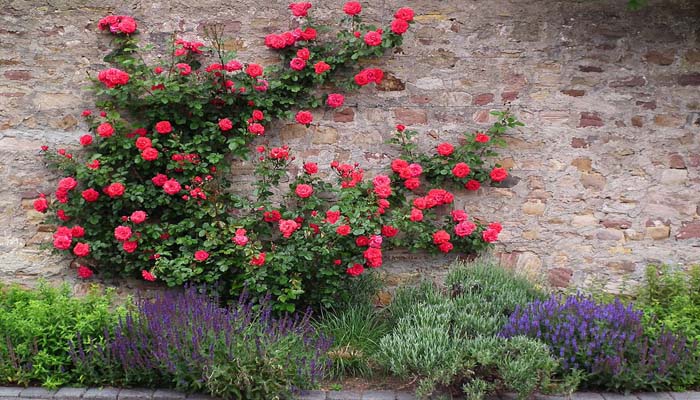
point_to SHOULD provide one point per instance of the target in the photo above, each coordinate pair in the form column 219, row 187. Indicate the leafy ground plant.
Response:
column 38, row 326
column 446, row 337
column 186, row 341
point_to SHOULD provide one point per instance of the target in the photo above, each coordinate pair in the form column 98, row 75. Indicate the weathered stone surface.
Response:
column 533, row 207
column 660, row 57
column 689, row 230
column 560, row 277
column 590, row 119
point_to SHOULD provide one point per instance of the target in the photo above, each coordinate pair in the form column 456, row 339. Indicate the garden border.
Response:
column 70, row 393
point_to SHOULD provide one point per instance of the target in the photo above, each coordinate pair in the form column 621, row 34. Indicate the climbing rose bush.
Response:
column 149, row 194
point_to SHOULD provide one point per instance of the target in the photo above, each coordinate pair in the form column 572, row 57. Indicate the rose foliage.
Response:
column 150, row 193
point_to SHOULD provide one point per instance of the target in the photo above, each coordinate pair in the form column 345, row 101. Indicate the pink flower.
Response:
column 445, row 247
column 240, row 240
column 297, row 64
column 300, row 9
column 257, row 115
column 81, row 249
column 405, row 14
column 373, row 38
column 159, row 180
column 41, row 205
column 164, row 127
column 172, row 187
column 464, row 228
column 481, row 138
column 90, row 195
column 149, row 154
column 105, row 130
column 138, row 217
column 440, row 237
column 258, row 260
column 62, row 242
column 304, row 191
column 84, row 272
column 355, row 270
column 254, row 70
column 343, row 230
column 256, row 129
column 304, row 53
column 376, row 241
column 304, row 117
column 287, row 227
column 416, row 215
column 185, row 69
column 85, row 140
column 142, row 143
column 113, row 77
column 472, row 185
column 130, row 246
column 461, row 170
column 352, row 8
column 225, row 124
column 489, row 235
column 335, row 100
column 201, row 255
column 399, row 26
column 493, row 226
column 310, row 168
column 122, row 233
column 498, row 174
column 321, row 67
column 459, row 215
column 148, row 276
column 115, row 190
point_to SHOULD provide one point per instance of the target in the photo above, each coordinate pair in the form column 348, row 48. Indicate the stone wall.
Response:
column 605, row 170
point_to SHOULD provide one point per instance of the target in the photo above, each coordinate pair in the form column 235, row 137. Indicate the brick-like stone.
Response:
column 617, row 396
column 18, row 75
column 647, row 105
column 560, row 277
column 660, row 57
column 658, row 232
column 344, row 115
column 10, row 391
column 633, row 81
column 313, row 395
column 391, row 83
column 411, row 116
column 579, row 143
column 589, row 68
column 101, row 394
column 325, row 135
column 676, row 161
column 509, row 96
column 483, row 99
column 37, row 393
column 584, row 220
column 533, row 208
column 574, row 92
column 610, row 234
column 586, row 396
column 590, row 119
column 616, row 223
column 135, row 394
column 593, row 180
column 689, row 79
column 689, row 230
column 693, row 56
column 405, row 396
column 69, row 393
column 378, row 395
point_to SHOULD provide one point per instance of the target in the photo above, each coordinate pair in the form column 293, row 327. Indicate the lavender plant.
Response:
column 608, row 343
column 188, row 342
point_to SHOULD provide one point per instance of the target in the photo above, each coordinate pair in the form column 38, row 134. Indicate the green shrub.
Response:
column 446, row 336
column 37, row 327
column 356, row 332
column 671, row 299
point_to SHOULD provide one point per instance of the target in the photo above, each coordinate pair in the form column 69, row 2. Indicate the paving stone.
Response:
column 685, row 395
column 313, row 395
column 37, row 393
column 135, row 394
column 587, row 396
column 10, row 391
column 199, row 396
column 618, row 396
column 69, row 393
column 654, row 396
column 379, row 395
column 161, row 394
column 344, row 395
column 101, row 394
column 549, row 397
column 405, row 396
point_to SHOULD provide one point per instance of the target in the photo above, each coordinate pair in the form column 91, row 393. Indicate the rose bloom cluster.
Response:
column 117, row 24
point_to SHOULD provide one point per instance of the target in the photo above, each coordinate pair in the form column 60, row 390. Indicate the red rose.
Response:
column 310, row 168
column 464, row 228
column 361, row 78
column 258, row 115
column 90, row 195
column 185, row 69
column 445, row 149
column 130, row 246
column 382, row 191
column 355, row 270
column 297, row 64
column 41, row 205
column 172, row 187
column 332, row 217
column 304, row 53
column 493, row 226
column 254, row 70
column 416, row 215
column 275, row 41
column 405, row 14
column 445, row 247
column 256, row 129
column 287, row 227
column 489, row 235
column 94, row 164
column 362, row 241
column 159, row 180
column 304, row 190
column 308, row 34
column 412, row 183
column 498, row 174
column 399, row 26
column 81, row 249
column 400, row 127
column 149, row 154
column 138, row 217
column 142, row 143
column 473, row 185
column 343, row 230
column 272, row 216
column 62, row 242
column 300, row 9
column 440, row 237
column 481, row 138
column 148, row 276
column 459, row 215
column 461, row 170
column 352, row 8
column 304, row 117
column 86, row 140
column 201, row 255
column 258, row 260
column 373, row 256
column 67, row 184
column 113, row 77
column 335, row 100
column 164, row 127
column 398, row 165
column 105, row 130
column 115, row 190
column 321, row 67
column 389, row 231
column 122, row 233
column 84, row 272
column 158, row 70
column 225, row 124
column 373, row 38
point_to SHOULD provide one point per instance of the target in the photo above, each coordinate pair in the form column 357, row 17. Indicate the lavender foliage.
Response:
column 185, row 340
column 608, row 343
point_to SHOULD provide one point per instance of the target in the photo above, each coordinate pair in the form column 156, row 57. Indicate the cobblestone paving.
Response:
column 15, row 393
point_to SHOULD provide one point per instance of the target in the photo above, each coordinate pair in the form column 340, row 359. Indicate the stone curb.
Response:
column 18, row 393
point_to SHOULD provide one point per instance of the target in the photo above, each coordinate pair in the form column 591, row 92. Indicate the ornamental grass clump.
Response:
column 607, row 342
column 186, row 341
